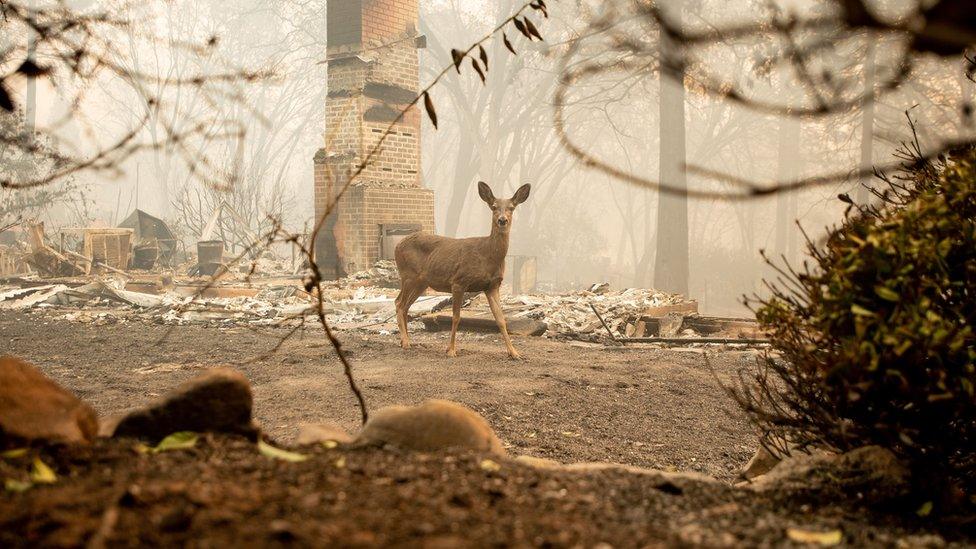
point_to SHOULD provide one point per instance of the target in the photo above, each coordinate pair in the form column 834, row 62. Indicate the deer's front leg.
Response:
column 496, row 309
column 457, row 298
column 401, row 314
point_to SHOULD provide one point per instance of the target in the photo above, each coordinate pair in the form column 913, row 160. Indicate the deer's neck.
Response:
column 498, row 243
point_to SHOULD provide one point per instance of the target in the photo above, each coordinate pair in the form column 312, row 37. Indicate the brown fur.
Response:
column 458, row 265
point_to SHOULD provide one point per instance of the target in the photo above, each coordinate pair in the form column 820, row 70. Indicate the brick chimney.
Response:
column 373, row 75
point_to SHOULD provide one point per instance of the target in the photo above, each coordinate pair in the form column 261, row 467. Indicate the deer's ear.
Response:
column 522, row 194
column 484, row 191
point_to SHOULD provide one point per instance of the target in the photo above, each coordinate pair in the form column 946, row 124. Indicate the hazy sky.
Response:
column 582, row 225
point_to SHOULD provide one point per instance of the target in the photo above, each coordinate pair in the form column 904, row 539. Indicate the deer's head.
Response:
column 502, row 208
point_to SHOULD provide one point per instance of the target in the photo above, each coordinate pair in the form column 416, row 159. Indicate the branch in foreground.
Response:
column 68, row 47
column 786, row 27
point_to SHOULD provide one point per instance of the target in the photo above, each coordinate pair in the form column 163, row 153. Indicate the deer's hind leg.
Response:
column 496, row 309
column 409, row 292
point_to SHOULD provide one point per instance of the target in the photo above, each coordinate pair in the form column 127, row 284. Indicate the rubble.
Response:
column 571, row 316
column 153, row 241
column 366, row 301
column 383, row 274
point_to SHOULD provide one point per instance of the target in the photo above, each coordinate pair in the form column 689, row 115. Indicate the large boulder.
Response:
column 218, row 401
column 35, row 408
column 429, row 427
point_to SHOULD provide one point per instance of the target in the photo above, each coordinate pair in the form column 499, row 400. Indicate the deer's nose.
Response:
column 502, row 221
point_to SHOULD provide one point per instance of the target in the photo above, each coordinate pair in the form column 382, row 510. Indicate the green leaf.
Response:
column 180, row 440
column 860, row 311
column 41, row 473
column 277, row 453
column 887, row 293
column 925, row 510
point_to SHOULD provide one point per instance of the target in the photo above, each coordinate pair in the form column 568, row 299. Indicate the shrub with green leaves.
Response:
column 874, row 340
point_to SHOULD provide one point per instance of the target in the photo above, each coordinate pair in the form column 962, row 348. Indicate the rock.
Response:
column 107, row 425
column 921, row 541
column 761, row 463
column 670, row 325
column 431, row 426
column 315, row 433
column 877, row 469
column 871, row 471
column 763, row 460
column 538, row 462
column 217, row 401
column 600, row 288
column 35, row 408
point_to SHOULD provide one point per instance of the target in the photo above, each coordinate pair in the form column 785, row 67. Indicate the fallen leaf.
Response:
column 925, row 510
column 16, row 486
column 180, row 440
column 341, row 462
column 329, row 444
column 826, row 539
column 490, row 465
column 15, row 453
column 277, row 453
column 570, row 434
column 41, row 473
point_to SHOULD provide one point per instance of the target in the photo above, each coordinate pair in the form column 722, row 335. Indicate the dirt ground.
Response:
column 222, row 493
column 656, row 408
column 653, row 408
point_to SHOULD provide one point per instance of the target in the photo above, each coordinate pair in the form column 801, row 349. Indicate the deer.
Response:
column 459, row 265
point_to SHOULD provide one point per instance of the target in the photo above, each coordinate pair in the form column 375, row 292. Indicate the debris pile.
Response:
column 572, row 315
column 366, row 301
column 228, row 303
column 383, row 274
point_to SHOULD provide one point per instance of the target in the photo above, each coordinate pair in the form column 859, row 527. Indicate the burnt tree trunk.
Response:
column 464, row 169
column 788, row 167
column 671, row 260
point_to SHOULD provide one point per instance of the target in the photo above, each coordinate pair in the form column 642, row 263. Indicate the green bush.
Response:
column 874, row 339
